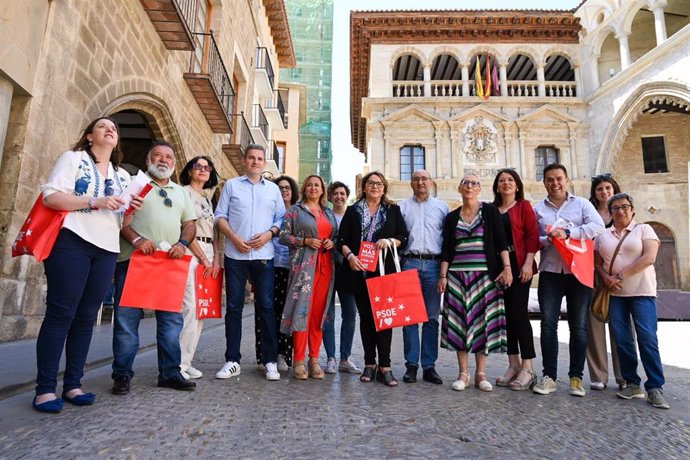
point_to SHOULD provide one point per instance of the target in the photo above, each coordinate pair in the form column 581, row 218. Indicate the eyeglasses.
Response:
column 374, row 184
column 600, row 177
column 285, row 188
column 623, row 207
column 109, row 187
column 471, row 183
column 200, row 167
column 166, row 201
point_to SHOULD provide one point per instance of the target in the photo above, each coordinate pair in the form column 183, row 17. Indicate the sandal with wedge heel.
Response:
column 315, row 370
column 299, row 370
column 481, row 381
column 517, row 385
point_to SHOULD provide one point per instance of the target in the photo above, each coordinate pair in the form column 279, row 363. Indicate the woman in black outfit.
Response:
column 376, row 219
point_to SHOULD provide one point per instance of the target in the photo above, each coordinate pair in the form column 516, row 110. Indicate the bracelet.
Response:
column 134, row 241
column 443, row 276
column 92, row 203
column 347, row 257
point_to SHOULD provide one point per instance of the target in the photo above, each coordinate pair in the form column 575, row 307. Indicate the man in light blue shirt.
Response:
column 424, row 216
column 250, row 213
column 573, row 217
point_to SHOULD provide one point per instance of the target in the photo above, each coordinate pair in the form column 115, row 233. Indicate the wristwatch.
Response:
column 567, row 233
column 619, row 276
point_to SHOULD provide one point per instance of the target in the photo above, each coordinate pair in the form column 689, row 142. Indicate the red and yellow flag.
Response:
column 479, row 86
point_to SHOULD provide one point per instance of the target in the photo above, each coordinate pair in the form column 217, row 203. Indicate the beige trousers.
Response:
column 597, row 356
column 191, row 330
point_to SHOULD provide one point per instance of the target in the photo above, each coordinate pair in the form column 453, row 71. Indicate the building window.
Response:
column 654, row 155
column 280, row 147
column 411, row 159
column 544, row 155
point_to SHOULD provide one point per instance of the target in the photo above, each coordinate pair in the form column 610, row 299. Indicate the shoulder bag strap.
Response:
column 615, row 253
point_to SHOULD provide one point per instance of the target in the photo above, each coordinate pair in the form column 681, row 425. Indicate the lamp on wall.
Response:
column 612, row 72
column 652, row 209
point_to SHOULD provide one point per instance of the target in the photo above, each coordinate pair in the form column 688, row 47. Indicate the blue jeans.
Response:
column 642, row 309
column 347, row 327
column 237, row 272
column 126, row 335
column 78, row 275
column 429, row 271
column 552, row 288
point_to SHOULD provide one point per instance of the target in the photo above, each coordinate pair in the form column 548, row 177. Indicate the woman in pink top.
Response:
column 633, row 295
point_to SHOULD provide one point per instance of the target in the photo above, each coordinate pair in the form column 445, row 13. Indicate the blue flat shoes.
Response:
column 50, row 407
column 80, row 400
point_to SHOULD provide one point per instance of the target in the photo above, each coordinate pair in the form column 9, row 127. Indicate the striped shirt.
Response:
column 469, row 253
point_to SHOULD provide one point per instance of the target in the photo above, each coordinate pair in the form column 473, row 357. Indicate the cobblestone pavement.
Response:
column 339, row 417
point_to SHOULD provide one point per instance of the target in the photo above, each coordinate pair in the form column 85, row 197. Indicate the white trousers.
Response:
column 191, row 331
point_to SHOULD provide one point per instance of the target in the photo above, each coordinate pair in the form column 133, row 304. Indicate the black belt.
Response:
column 511, row 248
column 205, row 239
column 423, row 256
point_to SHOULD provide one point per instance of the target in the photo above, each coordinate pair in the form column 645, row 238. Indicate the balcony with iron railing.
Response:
column 265, row 76
column 210, row 83
column 242, row 137
column 275, row 111
column 172, row 20
column 261, row 130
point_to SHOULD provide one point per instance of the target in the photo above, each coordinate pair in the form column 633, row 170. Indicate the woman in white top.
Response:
column 633, row 296
column 87, row 182
column 199, row 177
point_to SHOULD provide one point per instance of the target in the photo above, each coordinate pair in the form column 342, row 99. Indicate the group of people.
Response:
column 297, row 252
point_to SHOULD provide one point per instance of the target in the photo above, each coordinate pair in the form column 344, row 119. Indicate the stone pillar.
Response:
column 541, row 79
column 503, row 75
column 578, row 81
column 6, row 89
column 455, row 155
column 386, row 145
column 659, row 25
column 523, row 167
column 573, row 150
column 427, row 80
column 594, row 65
column 624, row 50
column 438, row 137
column 465, row 79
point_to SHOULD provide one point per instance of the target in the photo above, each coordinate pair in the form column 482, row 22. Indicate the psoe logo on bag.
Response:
column 387, row 314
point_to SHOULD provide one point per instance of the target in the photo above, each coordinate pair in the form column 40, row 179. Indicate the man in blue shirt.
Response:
column 250, row 213
column 571, row 217
column 424, row 216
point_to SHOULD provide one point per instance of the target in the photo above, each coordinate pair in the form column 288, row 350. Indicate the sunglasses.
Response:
column 166, row 201
column 200, row 167
column 109, row 187
column 600, row 177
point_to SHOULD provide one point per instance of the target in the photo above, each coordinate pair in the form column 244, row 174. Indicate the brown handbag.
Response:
column 602, row 294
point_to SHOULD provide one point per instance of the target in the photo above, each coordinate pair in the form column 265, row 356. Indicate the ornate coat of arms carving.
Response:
column 480, row 140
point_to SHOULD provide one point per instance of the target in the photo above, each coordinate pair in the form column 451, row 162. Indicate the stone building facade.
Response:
column 559, row 92
column 200, row 74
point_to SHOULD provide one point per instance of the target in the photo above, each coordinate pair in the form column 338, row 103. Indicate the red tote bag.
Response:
column 39, row 232
column 156, row 282
column 396, row 299
column 208, row 294
column 578, row 255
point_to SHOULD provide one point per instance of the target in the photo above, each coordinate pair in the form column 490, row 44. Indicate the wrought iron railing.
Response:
column 210, row 62
column 243, row 135
column 276, row 102
column 187, row 10
column 259, row 120
column 263, row 61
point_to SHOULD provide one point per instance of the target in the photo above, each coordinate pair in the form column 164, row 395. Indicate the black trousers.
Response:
column 372, row 341
column 518, row 327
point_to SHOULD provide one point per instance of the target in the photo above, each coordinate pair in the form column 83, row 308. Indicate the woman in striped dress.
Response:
column 475, row 267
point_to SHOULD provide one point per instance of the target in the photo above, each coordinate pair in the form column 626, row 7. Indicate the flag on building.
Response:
column 496, row 81
column 478, row 85
column 487, row 92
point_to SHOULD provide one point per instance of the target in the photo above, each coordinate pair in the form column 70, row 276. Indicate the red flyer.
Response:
column 368, row 255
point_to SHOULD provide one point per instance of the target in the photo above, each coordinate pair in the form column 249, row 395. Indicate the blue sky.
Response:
column 347, row 162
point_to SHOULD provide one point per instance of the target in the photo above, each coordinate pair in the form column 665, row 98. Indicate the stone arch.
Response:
column 408, row 49
column 633, row 8
column 601, row 36
column 528, row 51
column 625, row 117
column 563, row 51
column 483, row 49
column 445, row 49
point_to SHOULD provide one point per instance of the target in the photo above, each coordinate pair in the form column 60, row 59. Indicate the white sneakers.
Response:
column 282, row 364
column 191, row 373
column 349, row 367
column 229, row 369
column 272, row 372
column 598, row 386
column 331, row 366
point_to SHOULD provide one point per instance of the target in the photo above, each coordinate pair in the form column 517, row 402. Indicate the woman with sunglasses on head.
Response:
column 633, row 297
column 199, row 178
column 281, row 263
column 474, row 266
column 373, row 218
column 87, row 182
column 309, row 230
column 604, row 186
column 522, row 237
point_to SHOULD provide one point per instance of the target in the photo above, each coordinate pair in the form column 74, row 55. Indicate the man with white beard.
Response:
column 167, row 223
